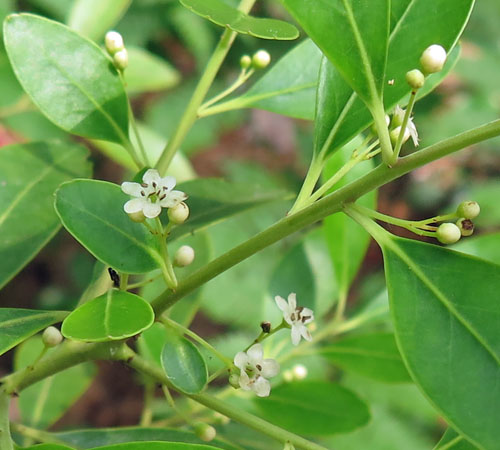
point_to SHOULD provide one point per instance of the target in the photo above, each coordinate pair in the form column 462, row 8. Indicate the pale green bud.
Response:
column 113, row 42
column 51, row 337
column 245, row 61
column 204, row 431
column 120, row 59
column 415, row 79
column 138, row 216
column 433, row 59
column 178, row 214
column 468, row 210
column 466, row 227
column 261, row 59
column 448, row 233
column 234, row 380
column 394, row 134
column 184, row 256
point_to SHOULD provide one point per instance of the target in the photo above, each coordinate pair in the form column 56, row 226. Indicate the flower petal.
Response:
column 133, row 189
column 296, row 334
column 152, row 176
column 255, row 353
column 262, row 387
column 244, row 382
column 292, row 301
column 151, row 210
column 168, row 183
column 241, row 360
column 270, row 368
column 282, row 303
column 305, row 333
column 134, row 205
column 306, row 312
column 173, row 198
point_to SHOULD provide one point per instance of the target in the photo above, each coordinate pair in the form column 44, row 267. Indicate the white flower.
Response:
column 295, row 316
column 153, row 194
column 411, row 129
column 254, row 370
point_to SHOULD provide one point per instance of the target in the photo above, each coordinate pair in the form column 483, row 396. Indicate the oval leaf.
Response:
column 92, row 211
column 184, row 365
column 16, row 325
column 353, row 35
column 445, row 309
column 224, row 15
column 373, row 355
column 112, row 316
column 68, row 77
column 29, row 175
column 314, row 408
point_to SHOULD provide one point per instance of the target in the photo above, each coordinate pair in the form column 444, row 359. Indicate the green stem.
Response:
column 310, row 182
column 178, row 327
column 190, row 114
column 237, row 414
column 167, row 268
column 378, row 114
column 399, row 142
column 147, row 410
column 328, row 205
column 263, row 335
column 36, row 435
column 5, row 439
column 133, row 123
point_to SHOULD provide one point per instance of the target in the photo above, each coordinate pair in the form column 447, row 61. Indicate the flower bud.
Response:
column 178, row 214
column 468, row 210
column 204, row 431
column 415, row 79
column 466, row 227
column 433, row 59
column 299, row 371
column 138, row 216
column 120, row 59
column 266, row 327
column 234, row 380
column 51, row 337
column 261, row 59
column 184, row 256
column 448, row 233
column 221, row 419
column 394, row 134
column 113, row 42
column 245, row 61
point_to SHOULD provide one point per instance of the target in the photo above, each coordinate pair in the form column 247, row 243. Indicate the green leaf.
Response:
column 451, row 440
column 16, row 325
column 111, row 316
column 373, row 355
column 486, row 246
column 68, row 77
column 353, row 35
column 314, row 408
column 29, row 175
column 157, row 446
column 289, row 87
column 151, row 342
column 183, row 364
column 347, row 241
column 224, row 15
column 445, row 311
column 93, row 18
column 107, row 436
column 339, row 106
column 147, row 72
column 43, row 403
column 213, row 200
column 92, row 211
column 47, row 447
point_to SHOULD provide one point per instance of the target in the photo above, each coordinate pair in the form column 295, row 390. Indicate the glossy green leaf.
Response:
column 92, row 211
column 43, row 403
column 73, row 83
column 353, row 34
column 91, row 438
column 486, row 246
column 445, row 310
column 373, row 355
column 289, row 87
column 29, row 175
column 314, row 408
column 47, row 447
column 16, row 325
column 451, row 440
column 111, row 316
column 93, row 18
column 147, row 72
column 183, row 364
column 157, row 446
column 224, row 15
column 151, row 342
column 213, row 200
column 339, row 106
column 347, row 241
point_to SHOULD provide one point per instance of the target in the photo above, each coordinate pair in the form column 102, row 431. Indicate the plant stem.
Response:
column 167, row 268
column 133, row 123
column 263, row 335
column 5, row 439
column 36, row 435
column 237, row 414
column 190, row 114
column 310, row 182
column 178, row 327
column 399, row 142
column 378, row 114
column 147, row 411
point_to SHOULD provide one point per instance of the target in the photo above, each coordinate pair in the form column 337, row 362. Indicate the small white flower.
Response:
column 254, row 370
column 411, row 129
column 152, row 194
column 295, row 316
